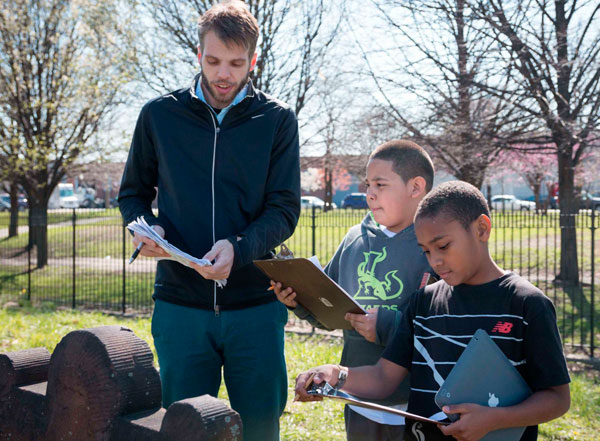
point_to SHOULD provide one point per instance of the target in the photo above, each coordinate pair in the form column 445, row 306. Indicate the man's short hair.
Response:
column 409, row 160
column 456, row 200
column 233, row 22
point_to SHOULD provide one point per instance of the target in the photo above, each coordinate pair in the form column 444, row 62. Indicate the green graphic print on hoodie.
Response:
column 380, row 272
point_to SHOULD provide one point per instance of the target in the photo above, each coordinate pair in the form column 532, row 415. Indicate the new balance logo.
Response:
column 503, row 327
column 424, row 280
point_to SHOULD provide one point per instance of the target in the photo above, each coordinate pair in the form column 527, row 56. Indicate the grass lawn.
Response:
column 62, row 215
column 95, row 287
column 32, row 327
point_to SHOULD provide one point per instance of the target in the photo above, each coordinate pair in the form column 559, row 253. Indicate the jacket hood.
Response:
column 374, row 229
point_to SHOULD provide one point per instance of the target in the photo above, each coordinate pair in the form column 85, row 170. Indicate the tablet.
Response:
column 483, row 375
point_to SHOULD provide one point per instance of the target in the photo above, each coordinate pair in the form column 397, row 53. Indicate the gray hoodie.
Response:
column 379, row 272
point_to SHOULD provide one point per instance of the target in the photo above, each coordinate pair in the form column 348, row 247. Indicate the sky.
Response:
column 345, row 62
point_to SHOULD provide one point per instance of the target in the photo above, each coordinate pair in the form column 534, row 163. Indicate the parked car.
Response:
column 510, row 202
column 544, row 201
column 355, row 200
column 589, row 202
column 313, row 201
column 5, row 202
column 4, row 205
column 87, row 198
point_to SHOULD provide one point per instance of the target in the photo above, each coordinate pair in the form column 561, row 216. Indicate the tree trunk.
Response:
column 569, row 267
column 474, row 175
column 536, row 194
column 38, row 214
column 13, row 228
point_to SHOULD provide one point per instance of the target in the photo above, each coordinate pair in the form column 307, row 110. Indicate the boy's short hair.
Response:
column 409, row 160
column 458, row 200
column 233, row 22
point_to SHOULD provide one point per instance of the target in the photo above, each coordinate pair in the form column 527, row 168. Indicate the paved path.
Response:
column 104, row 264
column 22, row 229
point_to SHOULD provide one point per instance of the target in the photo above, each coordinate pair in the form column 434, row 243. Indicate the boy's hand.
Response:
column 285, row 296
column 474, row 423
column 150, row 249
column 328, row 372
column 222, row 253
column 365, row 324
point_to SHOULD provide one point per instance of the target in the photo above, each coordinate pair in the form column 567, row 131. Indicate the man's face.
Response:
column 453, row 252
column 225, row 70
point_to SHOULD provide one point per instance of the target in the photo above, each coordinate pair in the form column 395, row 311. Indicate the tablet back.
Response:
column 483, row 375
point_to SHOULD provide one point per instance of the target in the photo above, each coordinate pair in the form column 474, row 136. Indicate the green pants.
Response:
column 195, row 346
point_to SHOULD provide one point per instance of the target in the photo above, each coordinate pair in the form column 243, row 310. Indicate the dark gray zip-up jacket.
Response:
column 238, row 181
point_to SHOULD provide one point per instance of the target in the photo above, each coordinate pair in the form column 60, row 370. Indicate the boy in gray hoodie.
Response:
column 380, row 264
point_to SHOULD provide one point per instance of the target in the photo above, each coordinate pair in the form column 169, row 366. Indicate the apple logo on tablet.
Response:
column 326, row 302
column 493, row 401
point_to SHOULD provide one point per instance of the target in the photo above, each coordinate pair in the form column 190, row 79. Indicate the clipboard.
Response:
column 315, row 291
column 326, row 391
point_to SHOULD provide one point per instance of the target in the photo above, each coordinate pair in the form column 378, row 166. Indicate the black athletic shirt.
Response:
column 439, row 322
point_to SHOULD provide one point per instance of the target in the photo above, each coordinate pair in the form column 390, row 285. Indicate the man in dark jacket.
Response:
column 225, row 159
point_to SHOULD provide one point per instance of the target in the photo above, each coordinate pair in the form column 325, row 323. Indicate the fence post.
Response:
column 124, row 267
column 74, row 221
column 314, row 231
column 29, row 245
column 592, row 283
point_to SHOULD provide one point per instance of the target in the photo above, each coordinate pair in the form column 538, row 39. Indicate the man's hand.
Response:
column 150, row 249
column 222, row 253
column 474, row 423
column 365, row 324
column 327, row 372
column 285, row 296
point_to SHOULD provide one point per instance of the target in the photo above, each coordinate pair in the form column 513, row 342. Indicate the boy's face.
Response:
column 392, row 201
column 225, row 69
column 454, row 252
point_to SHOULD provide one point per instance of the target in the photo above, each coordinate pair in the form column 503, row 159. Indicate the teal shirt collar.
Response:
column 221, row 115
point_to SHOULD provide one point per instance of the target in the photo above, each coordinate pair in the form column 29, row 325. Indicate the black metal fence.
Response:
column 88, row 250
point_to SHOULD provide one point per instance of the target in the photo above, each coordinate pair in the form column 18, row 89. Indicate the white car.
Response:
column 313, row 201
column 510, row 202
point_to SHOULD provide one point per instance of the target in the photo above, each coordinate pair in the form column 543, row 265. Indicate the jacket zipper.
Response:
column 217, row 130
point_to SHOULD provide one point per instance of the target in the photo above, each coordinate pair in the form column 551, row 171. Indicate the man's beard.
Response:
column 229, row 98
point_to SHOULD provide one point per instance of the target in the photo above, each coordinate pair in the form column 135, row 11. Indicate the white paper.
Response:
column 141, row 227
column 315, row 261
column 382, row 417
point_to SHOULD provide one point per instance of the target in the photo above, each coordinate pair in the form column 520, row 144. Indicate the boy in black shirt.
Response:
column 453, row 227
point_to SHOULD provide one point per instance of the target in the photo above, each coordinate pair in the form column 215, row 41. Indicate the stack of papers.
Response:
column 141, row 227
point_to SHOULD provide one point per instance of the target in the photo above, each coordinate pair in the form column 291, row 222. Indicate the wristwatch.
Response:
column 342, row 376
